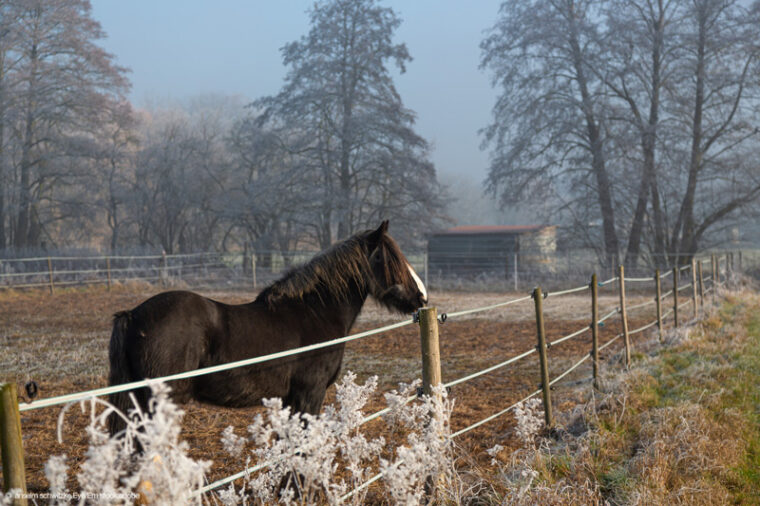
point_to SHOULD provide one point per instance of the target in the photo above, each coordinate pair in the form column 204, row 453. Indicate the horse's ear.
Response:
column 376, row 236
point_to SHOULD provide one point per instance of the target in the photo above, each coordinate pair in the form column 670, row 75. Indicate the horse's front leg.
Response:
column 305, row 397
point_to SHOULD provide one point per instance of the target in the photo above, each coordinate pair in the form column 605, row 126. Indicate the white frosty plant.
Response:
column 428, row 454
column 529, row 420
column 321, row 459
column 113, row 473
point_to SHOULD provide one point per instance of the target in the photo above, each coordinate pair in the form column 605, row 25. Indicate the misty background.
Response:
column 239, row 44
column 137, row 126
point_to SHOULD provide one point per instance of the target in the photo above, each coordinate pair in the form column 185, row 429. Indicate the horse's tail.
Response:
column 121, row 372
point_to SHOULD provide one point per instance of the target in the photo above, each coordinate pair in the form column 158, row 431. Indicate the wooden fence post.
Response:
column 658, row 301
column 108, row 271
column 728, row 268
column 538, row 297
column 431, row 353
column 162, row 269
column 676, row 273
column 701, row 287
column 595, row 328
column 694, row 286
column 740, row 261
column 10, row 441
column 714, row 277
column 431, row 367
column 514, row 271
column 425, row 260
column 50, row 273
column 624, row 316
column 253, row 269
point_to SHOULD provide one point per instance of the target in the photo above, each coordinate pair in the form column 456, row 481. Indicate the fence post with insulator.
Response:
column 701, row 286
column 714, row 277
column 108, row 272
column 676, row 273
column 595, row 328
column 658, row 301
column 694, row 286
column 538, row 297
column 162, row 269
column 253, row 269
column 431, row 354
column 624, row 316
column 50, row 273
column 728, row 267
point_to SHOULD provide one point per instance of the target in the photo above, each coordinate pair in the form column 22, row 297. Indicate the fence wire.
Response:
column 74, row 397
column 568, row 291
column 642, row 304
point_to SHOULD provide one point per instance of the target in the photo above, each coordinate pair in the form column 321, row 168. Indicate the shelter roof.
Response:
column 491, row 229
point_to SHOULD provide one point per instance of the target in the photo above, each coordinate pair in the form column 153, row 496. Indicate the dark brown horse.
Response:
column 180, row 331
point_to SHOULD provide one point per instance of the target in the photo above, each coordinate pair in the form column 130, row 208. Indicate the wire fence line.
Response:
column 566, row 292
column 643, row 304
column 244, row 270
column 638, row 280
column 569, row 336
column 74, row 397
column 556, row 380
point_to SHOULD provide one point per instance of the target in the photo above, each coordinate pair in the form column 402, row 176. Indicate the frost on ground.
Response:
column 309, row 459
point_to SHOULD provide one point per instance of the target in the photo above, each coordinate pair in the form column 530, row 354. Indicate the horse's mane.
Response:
column 333, row 271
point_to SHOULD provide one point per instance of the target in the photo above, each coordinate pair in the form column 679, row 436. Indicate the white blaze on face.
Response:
column 420, row 285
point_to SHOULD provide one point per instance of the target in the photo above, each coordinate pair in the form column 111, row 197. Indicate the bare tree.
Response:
column 548, row 125
column 269, row 198
column 650, row 106
column 643, row 49
column 60, row 80
column 114, row 167
column 720, row 110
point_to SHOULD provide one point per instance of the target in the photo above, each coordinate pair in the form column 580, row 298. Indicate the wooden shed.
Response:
column 499, row 250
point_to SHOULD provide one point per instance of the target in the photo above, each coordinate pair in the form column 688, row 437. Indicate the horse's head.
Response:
column 393, row 280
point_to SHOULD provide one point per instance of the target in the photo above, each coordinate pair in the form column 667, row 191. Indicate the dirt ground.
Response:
column 61, row 342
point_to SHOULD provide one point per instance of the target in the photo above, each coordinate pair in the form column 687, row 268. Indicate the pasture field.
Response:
column 61, row 342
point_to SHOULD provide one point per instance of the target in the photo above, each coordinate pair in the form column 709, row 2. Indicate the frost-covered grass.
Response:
column 682, row 427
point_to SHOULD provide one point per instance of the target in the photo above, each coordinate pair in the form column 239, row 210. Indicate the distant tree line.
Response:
column 633, row 123
column 635, row 120
column 333, row 152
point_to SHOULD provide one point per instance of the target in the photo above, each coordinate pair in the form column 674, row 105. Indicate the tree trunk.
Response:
column 25, row 194
column 685, row 225
column 648, row 145
column 3, row 237
column 604, row 187
column 659, row 228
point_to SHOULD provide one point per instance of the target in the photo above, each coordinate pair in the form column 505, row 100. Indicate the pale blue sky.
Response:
column 178, row 49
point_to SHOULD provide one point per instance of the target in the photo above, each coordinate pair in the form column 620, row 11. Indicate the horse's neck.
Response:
column 348, row 309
